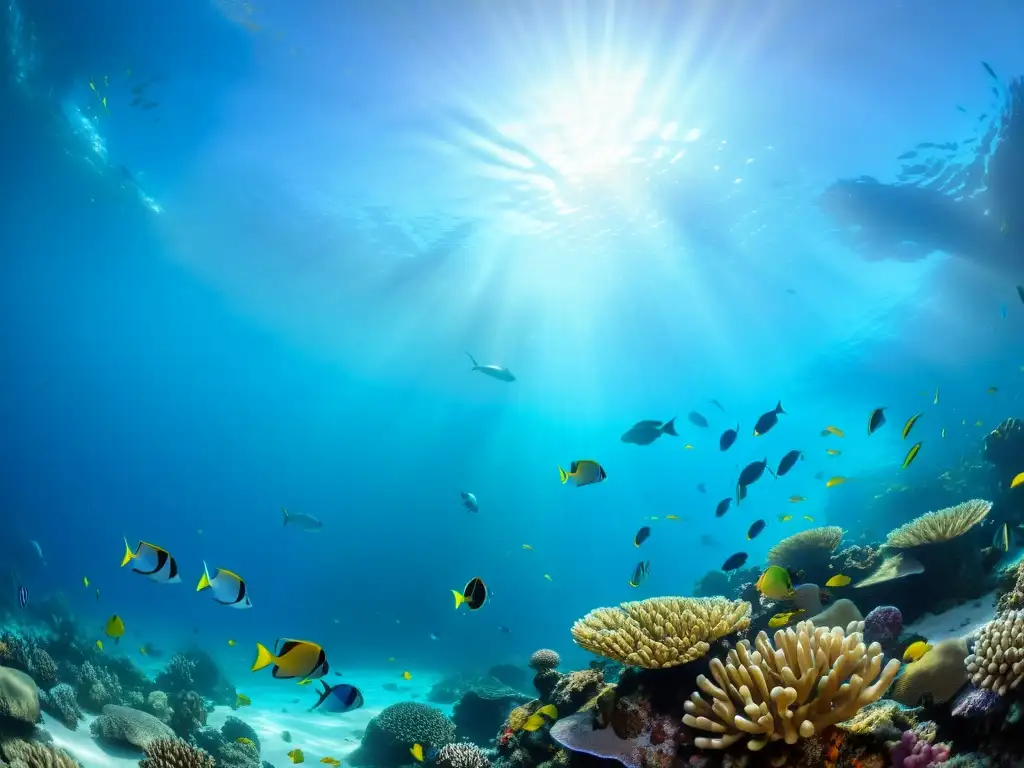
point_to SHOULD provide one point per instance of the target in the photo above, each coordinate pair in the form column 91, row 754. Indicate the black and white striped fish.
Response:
column 22, row 597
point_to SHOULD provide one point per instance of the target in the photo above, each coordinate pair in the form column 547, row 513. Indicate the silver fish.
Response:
column 494, row 371
column 301, row 521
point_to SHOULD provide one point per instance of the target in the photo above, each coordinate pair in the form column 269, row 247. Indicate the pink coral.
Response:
column 914, row 752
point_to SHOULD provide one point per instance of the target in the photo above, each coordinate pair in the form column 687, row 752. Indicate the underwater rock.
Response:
column 575, row 689
column 234, row 729
column 840, row 614
column 882, row 625
column 1003, row 448
column 385, row 744
column 61, row 702
column 448, row 689
column 656, row 743
column 188, row 713
column 545, row 682
column 131, row 726
column 19, row 696
column 914, row 752
column 483, row 707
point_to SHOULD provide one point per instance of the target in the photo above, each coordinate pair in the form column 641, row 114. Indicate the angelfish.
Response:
column 153, row 562
column 228, row 588
column 338, row 698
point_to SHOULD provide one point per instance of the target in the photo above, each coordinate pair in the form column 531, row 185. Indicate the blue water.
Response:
column 260, row 292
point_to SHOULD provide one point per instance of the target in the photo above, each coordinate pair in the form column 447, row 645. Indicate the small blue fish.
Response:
column 338, row 698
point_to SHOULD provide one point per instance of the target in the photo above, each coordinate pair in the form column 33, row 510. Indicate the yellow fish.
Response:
column 246, row 740
column 540, row 717
column 782, row 619
column 416, row 750
column 1017, row 480
column 296, row 756
column 834, row 481
column 92, row 85
column 775, row 583
column 671, row 517
column 832, row 451
column 785, row 518
column 992, row 390
column 304, row 681
column 797, row 499
column 407, row 675
column 915, row 651
column 911, row 455
column 143, row 651
column 85, row 580
column 114, row 628
column 839, row 580
column 241, row 700
column 688, row 447
column 331, row 761
column 835, row 431
column 99, row 644
column 979, row 423
column 547, row 576
column 910, row 424
column 231, row 643
column 808, row 518
column 528, row 547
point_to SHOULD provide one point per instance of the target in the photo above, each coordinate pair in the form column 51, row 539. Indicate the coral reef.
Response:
column 574, row 689
column 935, row 677
column 882, row 625
column 175, row 753
column 483, row 707
column 61, row 702
column 132, row 726
column 234, row 729
column 660, row 631
column 812, row 678
column 390, row 734
column 1003, row 447
column 188, row 713
column 914, row 752
column 998, row 659
column 19, row 697
column 25, row 754
column 461, row 755
column 976, row 702
column 159, row 705
column 897, row 566
column 809, row 550
column 195, row 670
column 544, row 659
column 942, row 525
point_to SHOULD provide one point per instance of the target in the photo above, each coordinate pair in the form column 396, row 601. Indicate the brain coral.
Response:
column 939, row 674
column 464, row 755
column 660, row 631
column 545, row 659
column 943, row 525
column 810, row 679
column 390, row 734
column 998, row 659
column 134, row 726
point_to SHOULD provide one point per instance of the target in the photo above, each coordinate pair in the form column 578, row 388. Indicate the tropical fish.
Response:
column 646, row 432
column 911, row 455
column 99, row 645
column 416, row 750
column 304, row 681
column 788, row 462
column 542, row 716
column 469, row 501
column 296, row 756
column 717, row 404
column 756, row 527
column 296, row 658
column 241, row 700
column 834, row 481
column 114, row 628
column 701, row 488
column 753, row 472
column 547, row 576
column 1017, row 480
column 839, row 580
column 494, row 371
column 301, row 521
column 782, row 619
column 673, row 517
column 232, row 643
column 246, row 741
column 915, row 651
column 808, row 518
column 407, row 675
column 85, row 580
column 734, row 561
column 641, row 536
column 331, row 761
column 775, row 583
column 943, row 433
column 992, row 390
column 226, row 587
column 833, row 451
column 640, row 573
column 728, row 438
column 876, row 420
column 143, row 650
column 723, row 507
column 688, row 447
column 830, row 430
column 936, row 400
column 338, row 698
column 797, row 499
column 1005, row 538
column 910, row 424
column 583, row 472
column 474, row 594
column 768, row 420
column 785, row 518
column 153, row 562
column 697, row 419
column 528, row 547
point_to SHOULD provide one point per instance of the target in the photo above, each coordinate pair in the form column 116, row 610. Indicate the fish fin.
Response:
column 459, row 598
column 770, row 470
column 669, row 427
column 473, row 361
column 285, row 511
column 204, row 580
column 563, row 475
column 127, row 554
column 778, row 407
column 264, row 658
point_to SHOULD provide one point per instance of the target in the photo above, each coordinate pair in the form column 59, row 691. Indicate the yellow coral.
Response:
column 943, row 525
column 31, row 755
column 811, row 679
column 824, row 539
column 939, row 674
column 660, row 631
column 175, row 753
column 517, row 718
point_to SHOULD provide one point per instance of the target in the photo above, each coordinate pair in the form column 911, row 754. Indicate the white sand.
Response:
column 273, row 711
column 956, row 622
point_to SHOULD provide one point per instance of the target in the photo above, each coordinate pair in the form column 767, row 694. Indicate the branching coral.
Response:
column 175, row 753
column 25, row 754
column 813, row 543
column 998, row 659
column 44, row 668
column 660, row 631
column 936, row 527
column 61, row 702
column 812, row 678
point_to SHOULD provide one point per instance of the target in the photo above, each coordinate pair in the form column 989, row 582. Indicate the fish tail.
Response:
column 264, row 658
column 127, row 554
column 770, row 470
column 285, row 511
column 472, row 360
column 204, row 580
column 459, row 598
column 563, row 475
column 778, row 407
column 669, row 427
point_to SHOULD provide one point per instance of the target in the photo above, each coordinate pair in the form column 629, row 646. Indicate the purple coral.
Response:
column 976, row 702
column 913, row 752
column 883, row 624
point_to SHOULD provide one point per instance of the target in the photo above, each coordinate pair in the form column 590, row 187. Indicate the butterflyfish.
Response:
column 338, row 698
column 407, row 675
column 775, row 583
column 834, row 481
column 474, row 594
column 99, row 645
column 583, row 472
column 785, row 518
column 640, row 573
column 1017, row 480
column 226, row 587
column 416, row 750
column 114, row 628
column 539, row 718
column 241, row 700
column 246, row 741
column 153, row 562
column 296, row 756
column 292, row 658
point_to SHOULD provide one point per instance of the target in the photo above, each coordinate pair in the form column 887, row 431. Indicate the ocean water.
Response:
column 246, row 248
